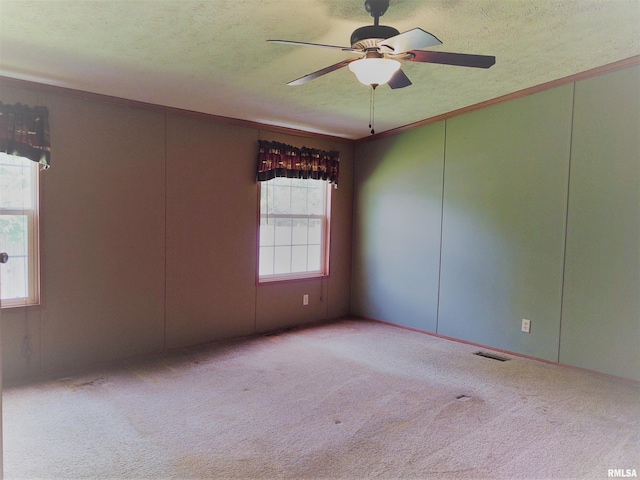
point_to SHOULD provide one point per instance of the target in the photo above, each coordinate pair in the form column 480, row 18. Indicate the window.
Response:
column 19, row 283
column 294, row 228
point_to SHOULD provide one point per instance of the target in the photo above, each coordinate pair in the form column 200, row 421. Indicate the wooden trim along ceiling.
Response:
column 41, row 87
column 125, row 102
column 619, row 65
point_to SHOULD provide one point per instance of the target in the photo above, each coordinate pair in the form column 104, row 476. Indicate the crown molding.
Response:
column 611, row 67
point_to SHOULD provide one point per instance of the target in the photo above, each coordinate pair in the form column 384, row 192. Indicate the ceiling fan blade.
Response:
column 459, row 59
column 410, row 40
column 304, row 44
column 399, row 80
column 324, row 71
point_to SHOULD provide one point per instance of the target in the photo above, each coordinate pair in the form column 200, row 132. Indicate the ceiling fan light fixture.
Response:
column 374, row 71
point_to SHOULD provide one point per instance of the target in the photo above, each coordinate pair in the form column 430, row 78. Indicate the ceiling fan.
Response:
column 382, row 48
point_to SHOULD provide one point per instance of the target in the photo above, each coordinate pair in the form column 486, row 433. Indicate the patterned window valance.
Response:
column 280, row 160
column 24, row 131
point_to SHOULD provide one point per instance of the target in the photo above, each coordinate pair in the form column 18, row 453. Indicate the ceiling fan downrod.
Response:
column 376, row 8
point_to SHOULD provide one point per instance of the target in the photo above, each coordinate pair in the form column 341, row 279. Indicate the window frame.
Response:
column 33, row 241
column 325, row 240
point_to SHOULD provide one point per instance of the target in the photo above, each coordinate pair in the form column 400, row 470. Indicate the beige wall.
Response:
column 149, row 230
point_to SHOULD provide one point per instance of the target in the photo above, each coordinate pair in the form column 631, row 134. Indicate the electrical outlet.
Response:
column 526, row 325
column 305, row 299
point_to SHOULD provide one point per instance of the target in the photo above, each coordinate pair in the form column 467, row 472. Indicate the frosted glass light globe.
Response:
column 374, row 71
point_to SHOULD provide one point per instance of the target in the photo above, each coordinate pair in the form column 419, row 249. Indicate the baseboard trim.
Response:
column 508, row 352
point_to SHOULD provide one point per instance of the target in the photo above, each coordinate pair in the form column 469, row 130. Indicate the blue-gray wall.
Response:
column 601, row 308
column 397, row 228
column 527, row 209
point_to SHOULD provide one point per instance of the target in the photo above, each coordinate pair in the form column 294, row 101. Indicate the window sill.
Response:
column 290, row 279
column 7, row 304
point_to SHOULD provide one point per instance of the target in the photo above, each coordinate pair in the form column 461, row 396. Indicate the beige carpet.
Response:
column 349, row 400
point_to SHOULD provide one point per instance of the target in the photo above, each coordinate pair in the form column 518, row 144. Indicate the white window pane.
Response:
column 294, row 242
column 282, row 200
column 16, row 189
column 266, row 198
column 315, row 201
column 14, row 234
column 15, row 282
column 14, row 238
column 266, row 261
column 299, row 258
column 283, row 231
column 299, row 182
column 315, row 231
column 299, row 200
column 300, row 231
column 281, row 181
column 267, row 231
column 282, row 260
column 314, row 259
column 317, row 184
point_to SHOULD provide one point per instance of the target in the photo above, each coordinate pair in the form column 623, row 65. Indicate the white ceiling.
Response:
column 211, row 56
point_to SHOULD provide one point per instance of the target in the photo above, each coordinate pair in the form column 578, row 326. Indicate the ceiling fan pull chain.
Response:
column 372, row 108
column 370, row 103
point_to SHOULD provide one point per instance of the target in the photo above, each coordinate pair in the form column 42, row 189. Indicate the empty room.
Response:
column 320, row 239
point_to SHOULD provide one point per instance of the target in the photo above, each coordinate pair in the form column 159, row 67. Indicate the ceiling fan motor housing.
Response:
column 376, row 7
column 369, row 36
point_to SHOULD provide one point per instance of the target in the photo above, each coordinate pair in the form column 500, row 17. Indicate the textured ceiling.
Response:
column 211, row 56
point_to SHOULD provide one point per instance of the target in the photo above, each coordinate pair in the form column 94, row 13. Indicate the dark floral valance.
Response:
column 280, row 160
column 24, row 131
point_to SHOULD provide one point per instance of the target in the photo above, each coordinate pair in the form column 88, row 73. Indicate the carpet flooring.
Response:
column 348, row 400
